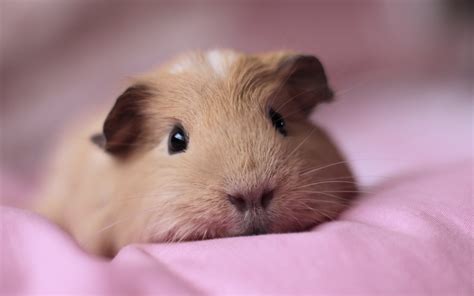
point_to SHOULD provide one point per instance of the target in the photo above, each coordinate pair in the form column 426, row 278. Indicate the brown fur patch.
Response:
column 124, row 127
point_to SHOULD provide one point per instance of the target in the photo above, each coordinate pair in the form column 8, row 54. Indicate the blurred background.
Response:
column 402, row 69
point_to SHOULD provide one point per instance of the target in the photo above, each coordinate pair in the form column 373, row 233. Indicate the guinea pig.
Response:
column 213, row 144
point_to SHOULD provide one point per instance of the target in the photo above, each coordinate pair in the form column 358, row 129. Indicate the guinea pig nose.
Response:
column 238, row 201
column 266, row 198
column 245, row 202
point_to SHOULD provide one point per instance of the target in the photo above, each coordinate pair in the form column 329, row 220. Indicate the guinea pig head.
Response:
column 219, row 144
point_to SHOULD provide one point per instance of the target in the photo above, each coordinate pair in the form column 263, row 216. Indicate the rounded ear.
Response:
column 305, row 80
column 124, row 127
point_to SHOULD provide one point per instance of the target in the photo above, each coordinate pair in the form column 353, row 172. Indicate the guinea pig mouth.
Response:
column 262, row 225
column 255, row 222
column 256, row 229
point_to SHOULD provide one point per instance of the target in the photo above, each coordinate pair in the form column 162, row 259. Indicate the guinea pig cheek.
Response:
column 190, row 216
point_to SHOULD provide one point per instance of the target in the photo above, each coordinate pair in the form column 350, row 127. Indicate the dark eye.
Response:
column 178, row 141
column 278, row 122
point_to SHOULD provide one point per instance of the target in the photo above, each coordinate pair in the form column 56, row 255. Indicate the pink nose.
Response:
column 248, row 201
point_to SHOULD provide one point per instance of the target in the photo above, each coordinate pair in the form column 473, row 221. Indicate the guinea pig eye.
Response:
column 278, row 122
column 178, row 142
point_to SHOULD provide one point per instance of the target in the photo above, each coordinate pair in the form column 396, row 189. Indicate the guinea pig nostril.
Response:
column 238, row 202
column 267, row 198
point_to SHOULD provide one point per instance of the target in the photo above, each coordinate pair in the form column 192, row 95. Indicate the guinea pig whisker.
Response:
column 339, row 199
column 281, row 85
column 327, row 182
column 324, row 193
column 301, row 143
column 324, row 167
column 126, row 218
column 339, row 191
column 332, row 202
column 317, row 210
column 351, row 191
column 109, row 226
column 338, row 178
column 296, row 96
column 204, row 234
column 316, row 91
column 356, row 177
column 292, row 98
column 288, row 115
column 295, row 218
column 360, row 83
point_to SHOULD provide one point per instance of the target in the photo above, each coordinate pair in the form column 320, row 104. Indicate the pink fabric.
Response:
column 410, row 235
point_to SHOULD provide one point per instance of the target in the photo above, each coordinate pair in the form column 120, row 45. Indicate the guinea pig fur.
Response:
column 213, row 144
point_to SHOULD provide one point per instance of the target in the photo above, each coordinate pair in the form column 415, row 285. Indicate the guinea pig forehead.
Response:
column 176, row 95
column 197, row 97
column 253, row 82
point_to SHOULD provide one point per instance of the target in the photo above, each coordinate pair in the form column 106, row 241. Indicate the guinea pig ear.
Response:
column 124, row 127
column 305, row 80
column 99, row 140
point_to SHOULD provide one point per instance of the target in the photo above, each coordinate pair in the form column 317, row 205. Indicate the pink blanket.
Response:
column 411, row 235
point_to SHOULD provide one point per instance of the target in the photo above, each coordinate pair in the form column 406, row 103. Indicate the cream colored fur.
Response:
column 221, row 99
